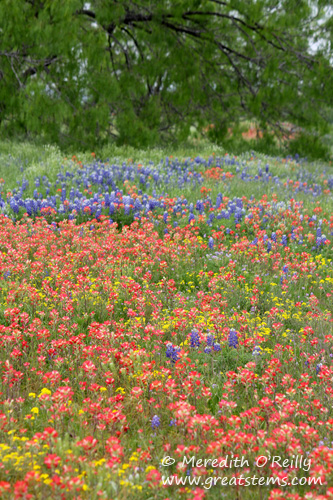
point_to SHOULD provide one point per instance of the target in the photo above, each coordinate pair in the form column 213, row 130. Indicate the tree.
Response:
column 145, row 71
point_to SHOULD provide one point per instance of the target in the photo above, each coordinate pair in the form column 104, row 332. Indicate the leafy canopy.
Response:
column 145, row 71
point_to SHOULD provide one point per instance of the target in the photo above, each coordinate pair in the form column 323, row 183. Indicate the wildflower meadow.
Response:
column 166, row 330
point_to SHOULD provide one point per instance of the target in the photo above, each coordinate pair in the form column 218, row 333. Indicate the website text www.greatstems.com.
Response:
column 281, row 479
column 208, row 482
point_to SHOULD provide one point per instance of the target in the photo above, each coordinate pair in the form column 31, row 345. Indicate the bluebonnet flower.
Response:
column 210, row 339
column 165, row 217
column 155, row 421
column 195, row 339
column 285, row 269
column 199, row 206
column 256, row 351
column 172, row 352
column 209, row 222
column 273, row 237
column 137, row 204
column 233, row 338
column 216, row 347
column 29, row 206
column 207, row 350
column 14, row 206
column 211, row 243
column 284, row 240
column 173, row 421
column 318, row 368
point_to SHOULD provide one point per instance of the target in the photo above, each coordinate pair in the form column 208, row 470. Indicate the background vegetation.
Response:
column 82, row 75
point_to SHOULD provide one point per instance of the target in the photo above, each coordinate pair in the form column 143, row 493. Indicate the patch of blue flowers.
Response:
column 98, row 188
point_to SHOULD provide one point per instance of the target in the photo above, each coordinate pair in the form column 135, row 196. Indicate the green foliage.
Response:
column 266, row 144
column 310, row 146
column 144, row 73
